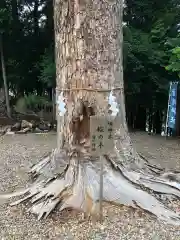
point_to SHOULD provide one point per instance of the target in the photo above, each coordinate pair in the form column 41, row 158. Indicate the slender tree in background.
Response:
column 6, row 90
column 88, row 36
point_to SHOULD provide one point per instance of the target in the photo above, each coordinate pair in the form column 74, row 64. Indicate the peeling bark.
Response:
column 89, row 56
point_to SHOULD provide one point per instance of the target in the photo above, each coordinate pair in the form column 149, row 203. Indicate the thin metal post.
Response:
column 101, row 190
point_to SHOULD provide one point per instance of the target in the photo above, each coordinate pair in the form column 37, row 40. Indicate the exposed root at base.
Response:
column 75, row 184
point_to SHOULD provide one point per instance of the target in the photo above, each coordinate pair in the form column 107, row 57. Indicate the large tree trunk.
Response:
column 89, row 40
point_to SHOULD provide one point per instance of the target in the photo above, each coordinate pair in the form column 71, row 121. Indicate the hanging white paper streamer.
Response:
column 61, row 104
column 114, row 106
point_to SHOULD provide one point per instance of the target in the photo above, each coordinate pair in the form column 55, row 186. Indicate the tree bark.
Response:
column 88, row 35
column 87, row 56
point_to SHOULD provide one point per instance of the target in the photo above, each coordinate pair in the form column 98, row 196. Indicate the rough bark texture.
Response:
column 89, row 56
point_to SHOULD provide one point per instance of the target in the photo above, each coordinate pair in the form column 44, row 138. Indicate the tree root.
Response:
column 75, row 184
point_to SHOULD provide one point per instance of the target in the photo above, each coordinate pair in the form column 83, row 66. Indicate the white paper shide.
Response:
column 61, row 105
column 114, row 106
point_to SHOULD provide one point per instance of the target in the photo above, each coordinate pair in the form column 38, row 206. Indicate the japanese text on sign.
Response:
column 171, row 114
column 102, row 131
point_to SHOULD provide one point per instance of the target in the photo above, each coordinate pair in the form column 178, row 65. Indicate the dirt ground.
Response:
column 159, row 150
column 19, row 152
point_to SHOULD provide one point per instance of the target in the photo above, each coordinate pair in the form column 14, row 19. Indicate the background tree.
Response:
column 4, row 23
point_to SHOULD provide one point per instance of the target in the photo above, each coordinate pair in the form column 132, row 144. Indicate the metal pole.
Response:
column 101, row 190
column 167, row 115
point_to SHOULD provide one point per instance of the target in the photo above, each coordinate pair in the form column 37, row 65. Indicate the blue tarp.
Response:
column 171, row 121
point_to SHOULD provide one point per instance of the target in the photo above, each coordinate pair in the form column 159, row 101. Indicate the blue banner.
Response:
column 171, row 116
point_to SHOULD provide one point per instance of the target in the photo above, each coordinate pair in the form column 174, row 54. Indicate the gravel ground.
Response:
column 17, row 153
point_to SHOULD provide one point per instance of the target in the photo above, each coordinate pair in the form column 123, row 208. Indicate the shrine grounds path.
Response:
column 19, row 152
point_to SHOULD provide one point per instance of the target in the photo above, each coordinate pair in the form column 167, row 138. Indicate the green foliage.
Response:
column 31, row 102
column 151, row 27
column 20, row 105
column 5, row 16
column 174, row 60
column 48, row 69
column 28, row 32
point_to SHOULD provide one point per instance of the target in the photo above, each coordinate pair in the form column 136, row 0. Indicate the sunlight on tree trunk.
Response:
column 6, row 90
column 89, row 40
